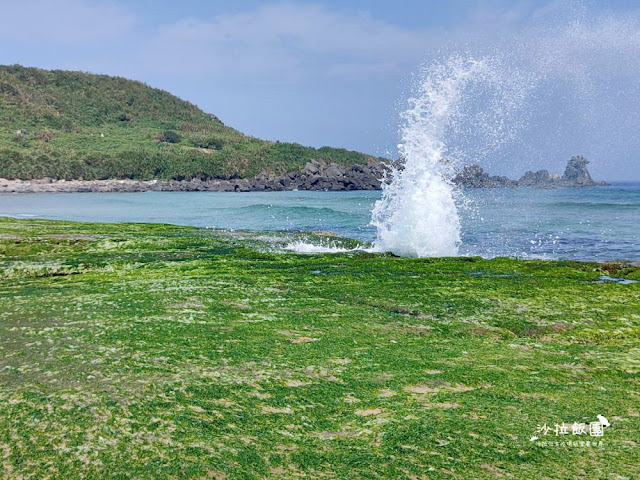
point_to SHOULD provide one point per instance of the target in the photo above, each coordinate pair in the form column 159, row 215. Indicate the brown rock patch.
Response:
column 368, row 412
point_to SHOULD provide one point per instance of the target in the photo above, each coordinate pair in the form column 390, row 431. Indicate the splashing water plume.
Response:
column 568, row 79
column 459, row 107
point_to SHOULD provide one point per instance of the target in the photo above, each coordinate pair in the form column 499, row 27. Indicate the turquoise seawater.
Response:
column 601, row 223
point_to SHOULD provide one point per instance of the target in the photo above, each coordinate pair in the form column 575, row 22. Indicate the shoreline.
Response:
column 117, row 186
column 315, row 176
column 196, row 185
column 140, row 186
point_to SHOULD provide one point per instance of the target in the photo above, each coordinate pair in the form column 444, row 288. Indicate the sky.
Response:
column 340, row 72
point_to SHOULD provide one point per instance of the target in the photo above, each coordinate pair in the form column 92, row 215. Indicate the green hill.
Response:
column 73, row 125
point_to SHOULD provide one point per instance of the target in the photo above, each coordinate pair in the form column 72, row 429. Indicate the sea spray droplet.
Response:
column 457, row 112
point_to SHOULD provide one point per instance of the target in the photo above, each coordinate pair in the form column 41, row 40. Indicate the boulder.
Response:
column 473, row 176
column 312, row 168
column 333, row 171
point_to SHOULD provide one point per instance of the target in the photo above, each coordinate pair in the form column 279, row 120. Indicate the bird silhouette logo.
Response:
column 603, row 421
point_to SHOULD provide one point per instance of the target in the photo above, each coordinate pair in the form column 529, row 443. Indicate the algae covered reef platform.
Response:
column 156, row 351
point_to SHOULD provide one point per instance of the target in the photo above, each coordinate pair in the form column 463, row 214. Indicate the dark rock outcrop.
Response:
column 316, row 175
column 473, row 176
column 321, row 176
column 539, row 179
column 575, row 175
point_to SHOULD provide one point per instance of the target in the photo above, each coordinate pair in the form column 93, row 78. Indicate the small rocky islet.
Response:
column 575, row 174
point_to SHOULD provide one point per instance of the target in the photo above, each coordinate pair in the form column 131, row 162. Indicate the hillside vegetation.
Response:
column 73, row 125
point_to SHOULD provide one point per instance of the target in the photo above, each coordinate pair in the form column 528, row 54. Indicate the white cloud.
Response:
column 62, row 22
column 265, row 69
column 284, row 43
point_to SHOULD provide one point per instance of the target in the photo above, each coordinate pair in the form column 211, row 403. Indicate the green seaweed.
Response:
column 158, row 351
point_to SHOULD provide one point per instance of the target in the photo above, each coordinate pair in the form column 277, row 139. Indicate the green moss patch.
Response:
column 156, row 351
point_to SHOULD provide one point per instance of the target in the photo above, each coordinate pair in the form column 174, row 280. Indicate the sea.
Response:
column 596, row 223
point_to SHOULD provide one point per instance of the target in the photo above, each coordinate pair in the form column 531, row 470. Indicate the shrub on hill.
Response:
column 170, row 136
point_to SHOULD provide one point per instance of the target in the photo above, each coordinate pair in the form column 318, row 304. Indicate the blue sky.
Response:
column 336, row 72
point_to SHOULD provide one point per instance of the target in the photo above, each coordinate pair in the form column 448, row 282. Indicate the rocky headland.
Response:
column 316, row 175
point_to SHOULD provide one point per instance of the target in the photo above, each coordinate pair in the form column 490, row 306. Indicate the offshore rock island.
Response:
column 575, row 175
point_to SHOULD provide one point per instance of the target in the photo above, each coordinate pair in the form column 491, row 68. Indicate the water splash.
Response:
column 459, row 108
column 300, row 246
column 561, row 80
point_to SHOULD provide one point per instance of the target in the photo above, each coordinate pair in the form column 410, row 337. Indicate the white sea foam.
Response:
column 304, row 247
